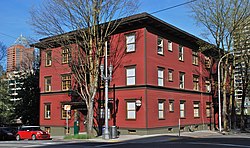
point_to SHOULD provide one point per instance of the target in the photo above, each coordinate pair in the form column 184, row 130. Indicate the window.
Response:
column 64, row 112
column 208, row 109
column 207, row 62
column 196, row 82
column 48, row 58
column 182, row 80
column 130, row 75
column 130, row 42
column 65, row 55
column 66, row 82
column 170, row 46
column 170, row 75
column 160, row 77
column 47, row 84
column 181, row 53
column 47, row 110
column 195, row 58
column 160, row 45
column 208, row 85
column 161, row 109
column 171, row 105
column 182, row 109
column 131, row 110
column 196, row 109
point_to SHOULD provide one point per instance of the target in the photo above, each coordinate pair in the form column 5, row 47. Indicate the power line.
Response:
column 7, row 35
column 173, row 6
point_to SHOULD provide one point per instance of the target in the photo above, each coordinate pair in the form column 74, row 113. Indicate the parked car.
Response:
column 32, row 132
column 7, row 133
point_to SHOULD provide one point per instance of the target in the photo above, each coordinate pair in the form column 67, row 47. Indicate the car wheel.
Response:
column 18, row 137
column 33, row 137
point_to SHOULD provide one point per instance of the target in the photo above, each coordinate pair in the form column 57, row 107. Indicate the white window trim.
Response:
column 160, row 46
column 181, row 53
column 161, row 109
column 170, row 45
column 130, row 41
column 131, row 110
column 160, row 77
column 182, row 80
column 130, row 76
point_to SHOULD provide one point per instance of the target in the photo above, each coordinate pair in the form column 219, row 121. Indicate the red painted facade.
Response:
column 146, row 61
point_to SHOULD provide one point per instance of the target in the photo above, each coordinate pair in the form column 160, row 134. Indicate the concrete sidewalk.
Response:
column 121, row 138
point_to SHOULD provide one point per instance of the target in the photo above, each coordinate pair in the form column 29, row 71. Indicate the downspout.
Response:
column 145, row 77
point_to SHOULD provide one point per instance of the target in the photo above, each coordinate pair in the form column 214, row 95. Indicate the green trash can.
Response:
column 76, row 127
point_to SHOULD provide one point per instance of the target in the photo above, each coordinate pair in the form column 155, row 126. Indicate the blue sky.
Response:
column 14, row 16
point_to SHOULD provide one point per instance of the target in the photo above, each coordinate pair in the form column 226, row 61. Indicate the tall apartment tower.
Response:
column 20, row 55
column 241, row 55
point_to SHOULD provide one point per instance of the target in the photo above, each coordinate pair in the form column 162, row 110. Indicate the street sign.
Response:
column 67, row 107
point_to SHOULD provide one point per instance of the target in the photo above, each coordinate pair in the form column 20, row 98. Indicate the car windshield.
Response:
column 36, row 129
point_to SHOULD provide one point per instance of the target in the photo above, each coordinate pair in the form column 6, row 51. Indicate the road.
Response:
column 223, row 141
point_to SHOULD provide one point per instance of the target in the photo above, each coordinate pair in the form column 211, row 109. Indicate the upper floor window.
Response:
column 182, row 109
column 160, row 77
column 195, row 58
column 130, row 42
column 170, row 75
column 196, row 82
column 130, row 75
column 131, row 110
column 47, row 81
column 208, row 85
column 65, row 55
column 161, row 109
column 182, row 80
column 170, row 45
column 47, row 111
column 48, row 58
column 181, row 53
column 66, row 82
column 160, row 45
column 196, row 109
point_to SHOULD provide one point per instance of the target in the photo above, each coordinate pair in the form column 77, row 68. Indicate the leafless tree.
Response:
column 220, row 18
column 82, row 26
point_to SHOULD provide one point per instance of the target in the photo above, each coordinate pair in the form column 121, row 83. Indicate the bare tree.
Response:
column 82, row 26
column 220, row 19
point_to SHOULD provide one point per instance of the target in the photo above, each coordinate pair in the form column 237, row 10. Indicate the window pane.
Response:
column 131, row 81
column 160, row 82
column 131, row 105
column 170, row 46
column 131, row 114
column 131, row 72
column 130, row 47
column 130, row 38
column 161, row 114
column 160, row 106
column 182, row 106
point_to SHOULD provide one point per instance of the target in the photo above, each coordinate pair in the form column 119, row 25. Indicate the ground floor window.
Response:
column 208, row 109
column 196, row 109
column 131, row 110
column 161, row 109
column 47, row 110
column 182, row 109
column 65, row 112
column 47, row 129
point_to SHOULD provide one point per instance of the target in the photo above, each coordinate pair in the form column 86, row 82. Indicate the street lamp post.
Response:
column 106, row 78
column 219, row 87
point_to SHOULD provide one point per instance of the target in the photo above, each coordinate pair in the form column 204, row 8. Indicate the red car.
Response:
column 32, row 132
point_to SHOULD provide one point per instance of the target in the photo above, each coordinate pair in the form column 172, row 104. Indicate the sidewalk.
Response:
column 167, row 136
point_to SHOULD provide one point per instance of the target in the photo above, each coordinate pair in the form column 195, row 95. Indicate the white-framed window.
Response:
column 208, row 109
column 170, row 45
column 66, row 82
column 182, row 109
column 47, row 110
column 66, row 55
column 161, row 109
column 170, row 75
column 195, row 58
column 48, row 58
column 171, row 105
column 181, row 53
column 196, row 109
column 160, row 46
column 47, row 81
column 130, row 75
column 160, row 77
column 131, row 110
column 182, row 80
column 64, row 113
column 208, row 85
column 130, row 42
column 196, row 82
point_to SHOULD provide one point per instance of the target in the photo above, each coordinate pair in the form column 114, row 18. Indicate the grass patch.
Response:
column 78, row 136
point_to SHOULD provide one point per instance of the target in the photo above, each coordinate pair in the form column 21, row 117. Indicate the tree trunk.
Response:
column 242, row 115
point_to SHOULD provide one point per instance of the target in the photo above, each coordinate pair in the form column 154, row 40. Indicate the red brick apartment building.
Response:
column 162, row 80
